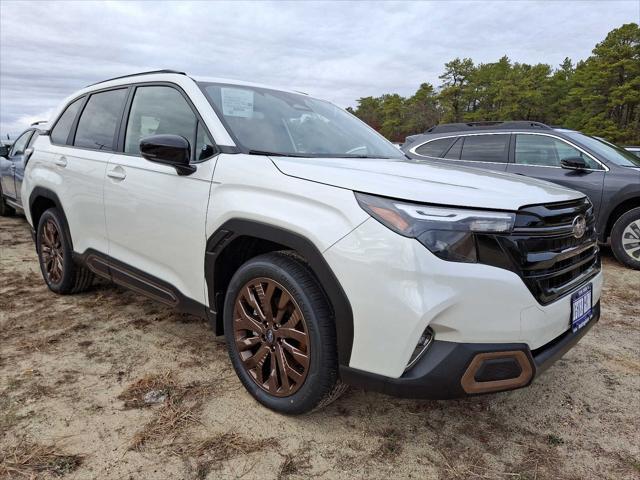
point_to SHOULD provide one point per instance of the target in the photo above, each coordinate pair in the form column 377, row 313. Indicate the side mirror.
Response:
column 4, row 150
column 574, row 163
column 172, row 150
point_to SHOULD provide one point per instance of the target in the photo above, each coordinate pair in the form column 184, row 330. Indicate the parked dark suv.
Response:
column 607, row 174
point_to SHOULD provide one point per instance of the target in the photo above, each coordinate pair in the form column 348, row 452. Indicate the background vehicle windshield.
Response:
column 265, row 120
column 609, row 151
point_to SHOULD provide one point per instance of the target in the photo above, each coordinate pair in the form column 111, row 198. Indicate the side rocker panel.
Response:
column 139, row 282
column 235, row 228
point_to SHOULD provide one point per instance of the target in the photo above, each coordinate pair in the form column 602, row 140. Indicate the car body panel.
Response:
column 155, row 220
column 77, row 177
column 427, row 182
column 321, row 213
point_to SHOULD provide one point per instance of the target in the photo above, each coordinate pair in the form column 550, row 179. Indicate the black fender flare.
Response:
column 41, row 192
column 238, row 227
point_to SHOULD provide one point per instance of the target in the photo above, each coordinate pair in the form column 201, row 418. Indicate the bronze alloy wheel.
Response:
column 271, row 337
column 52, row 252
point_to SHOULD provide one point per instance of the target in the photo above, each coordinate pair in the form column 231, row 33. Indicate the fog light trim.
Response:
column 471, row 385
column 426, row 339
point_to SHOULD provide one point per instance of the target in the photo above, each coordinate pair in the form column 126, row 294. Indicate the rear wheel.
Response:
column 5, row 209
column 281, row 335
column 59, row 271
column 625, row 238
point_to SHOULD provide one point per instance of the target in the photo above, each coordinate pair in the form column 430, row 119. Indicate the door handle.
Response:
column 117, row 173
column 61, row 161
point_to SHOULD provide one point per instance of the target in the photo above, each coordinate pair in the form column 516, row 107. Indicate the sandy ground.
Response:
column 74, row 371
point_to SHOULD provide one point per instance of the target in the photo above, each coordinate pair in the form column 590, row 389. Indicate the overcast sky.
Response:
column 339, row 51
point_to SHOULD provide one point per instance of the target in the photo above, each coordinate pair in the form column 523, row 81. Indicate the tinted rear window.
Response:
column 60, row 132
column 98, row 122
column 485, row 148
column 434, row 148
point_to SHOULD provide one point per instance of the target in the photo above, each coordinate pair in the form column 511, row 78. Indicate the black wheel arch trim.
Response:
column 238, row 227
column 41, row 192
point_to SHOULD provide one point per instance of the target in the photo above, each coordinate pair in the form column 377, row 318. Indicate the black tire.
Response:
column 5, row 209
column 626, row 232
column 321, row 384
column 71, row 278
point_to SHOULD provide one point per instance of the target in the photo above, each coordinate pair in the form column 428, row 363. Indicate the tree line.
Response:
column 598, row 96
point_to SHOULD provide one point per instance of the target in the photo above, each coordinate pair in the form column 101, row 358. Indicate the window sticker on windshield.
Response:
column 237, row 102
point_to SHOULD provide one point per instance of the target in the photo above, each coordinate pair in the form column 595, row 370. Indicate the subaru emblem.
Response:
column 579, row 226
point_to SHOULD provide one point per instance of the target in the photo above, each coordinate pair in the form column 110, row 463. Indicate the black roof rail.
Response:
column 151, row 72
column 491, row 125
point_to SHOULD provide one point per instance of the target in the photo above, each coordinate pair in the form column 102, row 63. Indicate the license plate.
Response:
column 581, row 307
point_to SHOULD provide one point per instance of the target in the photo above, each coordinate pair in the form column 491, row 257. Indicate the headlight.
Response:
column 447, row 232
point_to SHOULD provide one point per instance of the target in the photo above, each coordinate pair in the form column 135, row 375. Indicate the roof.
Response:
column 492, row 125
column 197, row 79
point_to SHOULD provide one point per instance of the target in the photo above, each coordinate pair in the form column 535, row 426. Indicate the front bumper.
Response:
column 397, row 289
column 440, row 372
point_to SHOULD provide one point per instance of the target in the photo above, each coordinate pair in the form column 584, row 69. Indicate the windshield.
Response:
column 609, row 151
column 272, row 122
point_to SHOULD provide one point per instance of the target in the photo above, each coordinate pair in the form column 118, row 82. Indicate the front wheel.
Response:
column 281, row 334
column 625, row 239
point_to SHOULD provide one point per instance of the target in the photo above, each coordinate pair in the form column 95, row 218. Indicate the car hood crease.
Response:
column 427, row 182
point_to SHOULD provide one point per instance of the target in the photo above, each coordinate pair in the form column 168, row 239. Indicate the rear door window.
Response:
column 60, row 132
column 485, row 148
column 434, row 148
column 99, row 120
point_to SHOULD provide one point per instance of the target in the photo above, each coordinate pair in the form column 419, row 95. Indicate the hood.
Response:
column 427, row 182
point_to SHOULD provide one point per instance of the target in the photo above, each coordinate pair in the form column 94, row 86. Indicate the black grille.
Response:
column 544, row 251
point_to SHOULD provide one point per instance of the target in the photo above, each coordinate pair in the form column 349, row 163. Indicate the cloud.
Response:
column 340, row 51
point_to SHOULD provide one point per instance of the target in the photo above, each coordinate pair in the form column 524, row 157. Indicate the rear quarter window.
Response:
column 60, row 132
column 434, row 148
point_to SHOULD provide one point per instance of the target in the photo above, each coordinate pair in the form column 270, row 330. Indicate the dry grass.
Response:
column 25, row 459
column 180, row 409
column 391, row 444
column 224, row 446
column 133, row 395
column 170, row 421
column 295, row 464
column 215, row 449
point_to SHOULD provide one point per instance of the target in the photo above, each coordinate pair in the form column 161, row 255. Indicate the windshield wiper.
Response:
column 275, row 154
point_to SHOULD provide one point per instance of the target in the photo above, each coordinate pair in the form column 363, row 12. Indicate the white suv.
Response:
column 324, row 255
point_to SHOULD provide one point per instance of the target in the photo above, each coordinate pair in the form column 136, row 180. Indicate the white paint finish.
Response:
column 428, row 182
column 397, row 288
column 78, row 185
column 156, row 220
column 251, row 187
